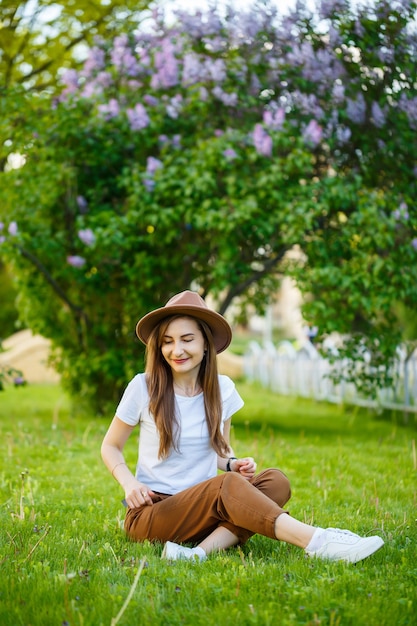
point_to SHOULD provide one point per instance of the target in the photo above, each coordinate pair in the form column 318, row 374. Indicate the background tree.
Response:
column 39, row 38
column 198, row 153
column 8, row 311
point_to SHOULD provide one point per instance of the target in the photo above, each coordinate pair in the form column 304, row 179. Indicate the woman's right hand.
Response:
column 137, row 494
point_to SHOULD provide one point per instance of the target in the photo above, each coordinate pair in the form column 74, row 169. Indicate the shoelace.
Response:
column 344, row 535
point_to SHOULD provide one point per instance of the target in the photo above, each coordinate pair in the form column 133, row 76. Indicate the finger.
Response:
column 133, row 503
column 246, row 468
column 146, row 497
column 138, row 498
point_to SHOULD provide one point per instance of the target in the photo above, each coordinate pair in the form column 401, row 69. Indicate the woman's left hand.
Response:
column 245, row 467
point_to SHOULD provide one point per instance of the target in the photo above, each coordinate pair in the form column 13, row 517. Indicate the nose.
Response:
column 177, row 349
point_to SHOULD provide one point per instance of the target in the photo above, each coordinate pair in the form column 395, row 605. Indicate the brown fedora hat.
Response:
column 192, row 304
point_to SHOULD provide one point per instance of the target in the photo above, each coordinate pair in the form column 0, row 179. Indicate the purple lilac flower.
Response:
column 313, row 133
column 176, row 141
column 229, row 154
column 1, row 225
column 109, row 110
column 192, row 71
column 117, row 53
column 87, row 236
column 343, row 134
column 214, row 44
column 104, row 79
column 149, row 184
column 134, row 84
column 82, row 204
column 377, row 115
column 76, row 261
column 255, row 84
column 2, row 239
column 213, row 23
column 320, row 66
column 338, row 93
column 19, row 381
column 120, row 46
column 216, row 70
column 150, row 100
column 95, row 61
column 228, row 99
column 138, row 117
column 191, row 23
column 335, row 39
column 356, row 109
column 252, row 22
column 301, row 55
column 195, row 26
column 91, row 89
column 143, row 56
column 274, row 119
column 402, row 212
column 359, row 29
column 414, row 243
column 307, row 103
column 385, row 55
column 70, row 79
column 152, row 165
column 120, row 42
column 409, row 107
column 328, row 8
column 12, row 229
column 174, row 106
column 128, row 64
column 166, row 66
column 262, row 141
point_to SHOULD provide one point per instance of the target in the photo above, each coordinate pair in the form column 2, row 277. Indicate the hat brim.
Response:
column 222, row 333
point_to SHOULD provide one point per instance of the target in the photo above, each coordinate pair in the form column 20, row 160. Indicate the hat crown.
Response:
column 186, row 298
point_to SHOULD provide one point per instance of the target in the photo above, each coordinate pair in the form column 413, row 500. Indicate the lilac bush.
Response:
column 197, row 152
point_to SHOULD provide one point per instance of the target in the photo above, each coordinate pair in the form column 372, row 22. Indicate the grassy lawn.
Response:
column 65, row 561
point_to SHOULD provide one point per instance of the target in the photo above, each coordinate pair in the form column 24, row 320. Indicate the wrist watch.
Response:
column 228, row 468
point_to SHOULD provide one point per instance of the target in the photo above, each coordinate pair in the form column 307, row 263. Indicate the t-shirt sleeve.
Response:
column 232, row 401
column 134, row 399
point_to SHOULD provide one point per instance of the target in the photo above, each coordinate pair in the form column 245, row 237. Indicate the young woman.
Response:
column 184, row 410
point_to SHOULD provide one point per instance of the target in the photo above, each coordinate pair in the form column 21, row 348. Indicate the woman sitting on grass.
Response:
column 184, row 409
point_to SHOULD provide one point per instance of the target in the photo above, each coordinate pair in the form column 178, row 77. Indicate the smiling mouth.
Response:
column 180, row 360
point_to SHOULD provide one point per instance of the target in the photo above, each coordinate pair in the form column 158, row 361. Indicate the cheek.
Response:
column 164, row 352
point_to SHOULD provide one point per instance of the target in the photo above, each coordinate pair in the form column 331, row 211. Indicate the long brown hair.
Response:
column 161, row 390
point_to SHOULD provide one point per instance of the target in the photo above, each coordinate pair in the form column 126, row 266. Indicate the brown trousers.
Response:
column 229, row 500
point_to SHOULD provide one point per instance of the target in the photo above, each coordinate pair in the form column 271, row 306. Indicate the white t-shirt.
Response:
column 196, row 460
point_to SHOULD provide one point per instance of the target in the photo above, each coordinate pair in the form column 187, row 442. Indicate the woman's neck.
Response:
column 187, row 388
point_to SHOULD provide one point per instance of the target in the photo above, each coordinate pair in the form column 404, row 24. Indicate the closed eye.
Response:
column 185, row 339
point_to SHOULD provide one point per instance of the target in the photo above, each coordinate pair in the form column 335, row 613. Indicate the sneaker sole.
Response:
column 370, row 547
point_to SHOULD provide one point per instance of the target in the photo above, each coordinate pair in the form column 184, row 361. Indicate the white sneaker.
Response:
column 175, row 552
column 343, row 545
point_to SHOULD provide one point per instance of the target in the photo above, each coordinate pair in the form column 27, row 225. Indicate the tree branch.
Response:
column 79, row 313
column 240, row 288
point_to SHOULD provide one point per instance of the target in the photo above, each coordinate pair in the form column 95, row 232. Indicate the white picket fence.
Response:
column 304, row 372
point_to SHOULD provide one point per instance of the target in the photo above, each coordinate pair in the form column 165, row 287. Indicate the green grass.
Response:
column 64, row 559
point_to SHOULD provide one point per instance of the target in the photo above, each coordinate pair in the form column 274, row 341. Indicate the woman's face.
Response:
column 183, row 346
